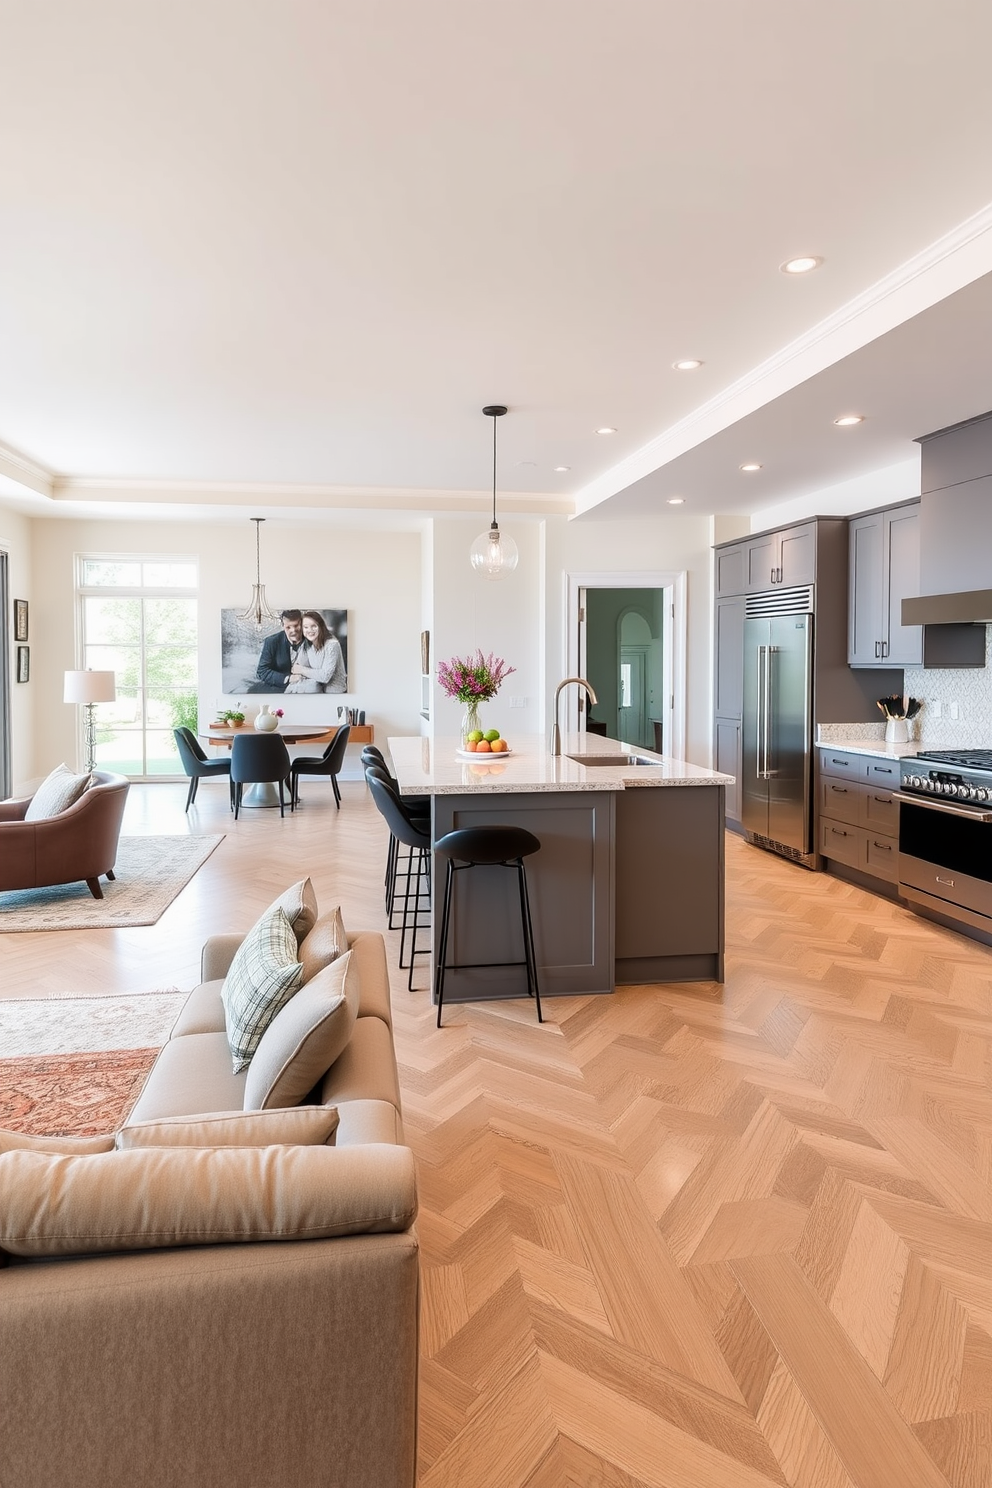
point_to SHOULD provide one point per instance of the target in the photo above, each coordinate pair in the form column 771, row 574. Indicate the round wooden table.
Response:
column 264, row 793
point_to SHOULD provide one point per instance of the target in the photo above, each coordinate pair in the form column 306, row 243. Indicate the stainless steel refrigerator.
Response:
column 776, row 785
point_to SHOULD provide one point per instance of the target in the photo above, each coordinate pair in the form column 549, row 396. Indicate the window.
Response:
column 138, row 619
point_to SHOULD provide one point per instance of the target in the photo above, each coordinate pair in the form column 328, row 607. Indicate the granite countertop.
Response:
column 875, row 747
column 432, row 767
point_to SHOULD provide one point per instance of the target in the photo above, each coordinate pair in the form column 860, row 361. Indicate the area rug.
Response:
column 150, row 873
column 76, row 1065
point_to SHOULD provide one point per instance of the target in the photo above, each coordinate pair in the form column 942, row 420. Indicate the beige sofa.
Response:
column 248, row 1365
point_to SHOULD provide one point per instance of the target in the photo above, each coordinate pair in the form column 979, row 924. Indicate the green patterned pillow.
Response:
column 262, row 978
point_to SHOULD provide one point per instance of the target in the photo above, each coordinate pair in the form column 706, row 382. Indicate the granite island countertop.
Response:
column 432, row 767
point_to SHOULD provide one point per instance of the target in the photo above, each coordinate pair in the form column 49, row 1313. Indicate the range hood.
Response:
column 972, row 607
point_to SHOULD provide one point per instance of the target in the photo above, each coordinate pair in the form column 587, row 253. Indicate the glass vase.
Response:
column 471, row 722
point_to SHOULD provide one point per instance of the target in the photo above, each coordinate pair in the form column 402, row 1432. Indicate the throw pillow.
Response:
column 303, row 1041
column 262, row 978
column 60, row 1205
column 56, row 793
column 300, row 905
column 303, row 1126
column 326, row 941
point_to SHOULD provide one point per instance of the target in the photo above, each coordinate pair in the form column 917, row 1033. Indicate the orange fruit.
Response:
column 483, row 747
column 499, row 746
column 468, row 746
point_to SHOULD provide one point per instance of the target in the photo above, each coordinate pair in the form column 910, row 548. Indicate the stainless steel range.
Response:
column 945, row 836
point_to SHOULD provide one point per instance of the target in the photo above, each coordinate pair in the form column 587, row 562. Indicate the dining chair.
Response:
column 197, row 765
column 259, row 759
column 328, row 763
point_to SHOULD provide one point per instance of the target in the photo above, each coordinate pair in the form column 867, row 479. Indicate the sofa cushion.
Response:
column 299, row 902
column 369, row 951
column 56, row 793
column 366, row 1069
column 264, row 975
column 191, row 1075
column 303, row 1126
column 364, row 1121
column 15, row 1141
column 304, row 1039
column 202, row 1012
column 325, row 942
column 164, row 1196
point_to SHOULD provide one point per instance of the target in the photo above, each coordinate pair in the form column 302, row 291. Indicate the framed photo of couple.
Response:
column 305, row 652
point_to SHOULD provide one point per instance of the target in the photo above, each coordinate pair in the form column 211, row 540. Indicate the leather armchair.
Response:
column 78, row 843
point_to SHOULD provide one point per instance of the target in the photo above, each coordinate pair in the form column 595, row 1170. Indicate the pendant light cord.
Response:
column 495, row 422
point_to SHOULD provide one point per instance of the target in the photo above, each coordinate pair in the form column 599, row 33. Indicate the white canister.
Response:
column 897, row 731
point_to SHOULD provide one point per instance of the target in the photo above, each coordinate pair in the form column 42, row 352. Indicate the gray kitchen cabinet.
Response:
column 728, row 740
column 729, row 570
column 781, row 559
column 859, row 817
column 728, row 698
column 884, row 570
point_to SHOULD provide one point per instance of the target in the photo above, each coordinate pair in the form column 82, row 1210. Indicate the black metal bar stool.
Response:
column 413, row 833
column 489, row 847
column 418, row 807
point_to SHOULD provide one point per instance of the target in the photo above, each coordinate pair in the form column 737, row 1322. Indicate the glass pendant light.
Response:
column 493, row 554
column 257, row 611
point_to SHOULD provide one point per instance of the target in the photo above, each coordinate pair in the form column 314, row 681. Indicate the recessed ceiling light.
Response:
column 676, row 501
column 689, row 365
column 801, row 265
column 606, row 430
column 848, row 419
column 751, row 466
column 561, row 469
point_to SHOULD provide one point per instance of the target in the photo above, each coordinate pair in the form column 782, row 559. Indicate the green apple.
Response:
column 475, row 736
column 490, row 735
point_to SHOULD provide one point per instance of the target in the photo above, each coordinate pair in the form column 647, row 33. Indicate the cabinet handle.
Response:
column 882, row 800
column 878, row 650
column 883, row 770
column 838, row 833
column 771, row 576
column 844, row 764
column 840, row 789
column 885, row 649
column 883, row 846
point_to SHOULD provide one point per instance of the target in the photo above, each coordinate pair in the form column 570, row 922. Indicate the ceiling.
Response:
column 291, row 248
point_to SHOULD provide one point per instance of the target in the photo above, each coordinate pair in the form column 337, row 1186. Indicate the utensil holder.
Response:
column 897, row 731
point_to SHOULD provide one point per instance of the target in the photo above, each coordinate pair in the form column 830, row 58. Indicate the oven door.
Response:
column 945, row 851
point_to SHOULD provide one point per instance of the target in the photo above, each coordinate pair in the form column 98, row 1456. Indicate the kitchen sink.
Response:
column 611, row 761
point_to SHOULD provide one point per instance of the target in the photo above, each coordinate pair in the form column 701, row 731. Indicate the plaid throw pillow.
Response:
column 263, row 977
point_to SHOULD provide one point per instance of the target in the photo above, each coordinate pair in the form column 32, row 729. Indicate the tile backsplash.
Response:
column 968, row 691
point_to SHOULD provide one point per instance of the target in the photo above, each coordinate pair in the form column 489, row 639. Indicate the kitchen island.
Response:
column 627, row 887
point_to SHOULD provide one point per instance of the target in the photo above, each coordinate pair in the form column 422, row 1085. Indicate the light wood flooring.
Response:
column 678, row 1237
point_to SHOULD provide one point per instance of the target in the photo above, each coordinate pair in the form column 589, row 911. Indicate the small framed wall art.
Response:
column 20, row 619
column 24, row 663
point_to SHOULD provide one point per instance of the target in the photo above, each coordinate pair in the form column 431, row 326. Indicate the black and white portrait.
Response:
column 307, row 652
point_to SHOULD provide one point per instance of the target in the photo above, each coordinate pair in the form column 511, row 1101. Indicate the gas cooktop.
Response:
column 964, row 759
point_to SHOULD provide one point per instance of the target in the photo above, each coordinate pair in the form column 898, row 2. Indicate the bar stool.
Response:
column 490, row 847
column 419, row 808
column 411, row 833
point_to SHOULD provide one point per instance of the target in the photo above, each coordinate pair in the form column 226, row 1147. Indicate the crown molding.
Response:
column 958, row 258
column 24, row 472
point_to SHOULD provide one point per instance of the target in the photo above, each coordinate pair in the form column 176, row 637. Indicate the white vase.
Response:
column 265, row 720
column 897, row 731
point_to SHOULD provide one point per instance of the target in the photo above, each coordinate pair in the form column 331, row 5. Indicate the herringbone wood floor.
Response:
column 678, row 1237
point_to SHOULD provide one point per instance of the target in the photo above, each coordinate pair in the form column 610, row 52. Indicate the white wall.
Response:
column 16, row 541
column 375, row 575
column 884, row 487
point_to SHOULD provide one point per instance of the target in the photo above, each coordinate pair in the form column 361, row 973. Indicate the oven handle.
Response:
column 965, row 812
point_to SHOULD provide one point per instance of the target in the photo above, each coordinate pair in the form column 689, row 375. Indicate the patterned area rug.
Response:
column 76, row 1065
column 150, row 871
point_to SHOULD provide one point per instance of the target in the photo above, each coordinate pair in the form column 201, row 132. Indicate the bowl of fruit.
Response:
column 477, row 743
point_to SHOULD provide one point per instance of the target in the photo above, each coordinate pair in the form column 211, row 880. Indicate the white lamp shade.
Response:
column 89, row 687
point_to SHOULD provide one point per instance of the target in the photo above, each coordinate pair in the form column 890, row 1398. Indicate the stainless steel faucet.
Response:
column 556, row 730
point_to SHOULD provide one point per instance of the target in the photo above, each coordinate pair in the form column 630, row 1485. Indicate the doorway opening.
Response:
column 626, row 633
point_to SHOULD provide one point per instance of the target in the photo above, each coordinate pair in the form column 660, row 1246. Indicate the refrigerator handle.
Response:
column 761, row 716
column 766, row 708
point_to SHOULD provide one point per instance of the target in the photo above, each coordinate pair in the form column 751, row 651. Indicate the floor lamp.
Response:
column 90, row 688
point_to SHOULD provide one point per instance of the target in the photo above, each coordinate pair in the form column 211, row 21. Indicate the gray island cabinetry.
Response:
column 627, row 887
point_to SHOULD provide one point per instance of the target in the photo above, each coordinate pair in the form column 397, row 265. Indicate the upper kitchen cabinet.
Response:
column 781, row 559
column 884, row 570
column 769, row 560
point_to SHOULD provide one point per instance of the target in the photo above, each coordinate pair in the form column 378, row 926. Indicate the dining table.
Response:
column 264, row 793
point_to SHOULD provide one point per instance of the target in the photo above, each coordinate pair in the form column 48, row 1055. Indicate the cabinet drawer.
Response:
column 836, row 762
column 842, row 843
column 882, row 856
column 879, row 811
column 840, row 800
column 883, row 772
